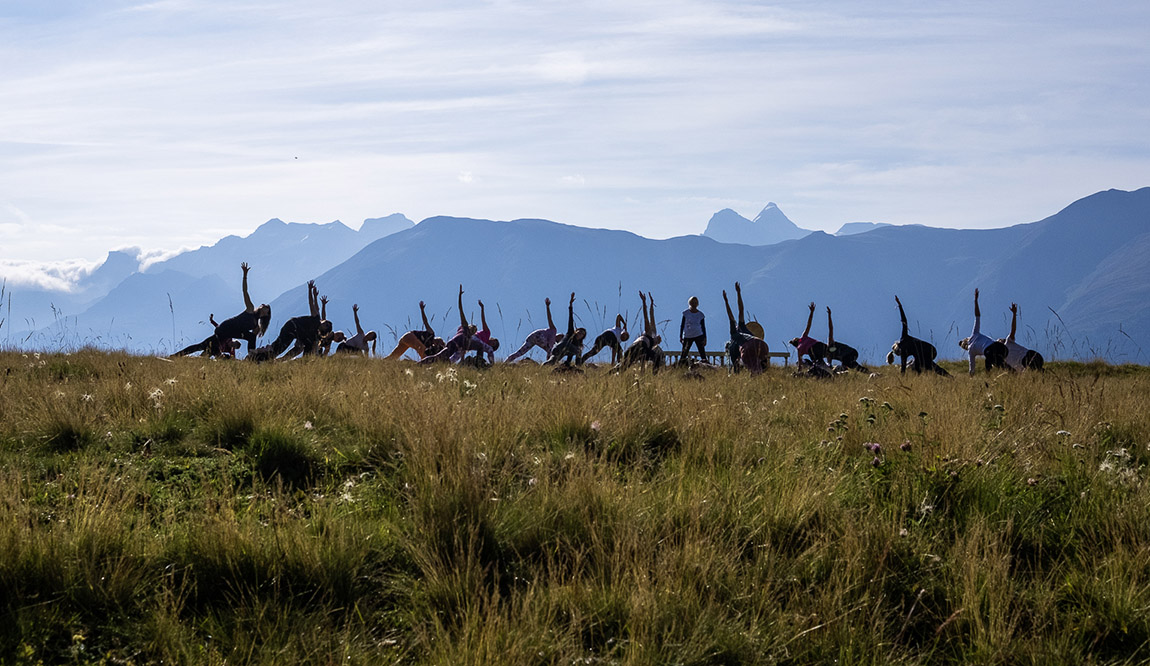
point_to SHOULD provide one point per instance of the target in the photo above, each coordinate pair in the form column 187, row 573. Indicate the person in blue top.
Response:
column 693, row 330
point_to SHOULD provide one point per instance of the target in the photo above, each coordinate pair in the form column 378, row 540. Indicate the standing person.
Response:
column 613, row 339
column 1019, row 357
column 979, row 344
column 571, row 346
column 840, row 351
column 358, row 343
column 805, row 345
column 424, row 342
column 693, row 331
column 460, row 342
column 247, row 325
column 544, row 338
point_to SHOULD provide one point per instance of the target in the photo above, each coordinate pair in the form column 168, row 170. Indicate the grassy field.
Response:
column 356, row 512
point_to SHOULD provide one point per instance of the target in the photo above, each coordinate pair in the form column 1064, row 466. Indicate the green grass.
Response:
column 355, row 511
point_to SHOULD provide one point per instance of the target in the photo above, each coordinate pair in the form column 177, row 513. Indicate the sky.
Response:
column 169, row 124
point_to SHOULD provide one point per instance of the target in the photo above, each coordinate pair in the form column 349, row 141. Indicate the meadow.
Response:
column 352, row 511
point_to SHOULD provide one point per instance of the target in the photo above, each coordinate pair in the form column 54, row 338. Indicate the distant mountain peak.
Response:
column 770, row 226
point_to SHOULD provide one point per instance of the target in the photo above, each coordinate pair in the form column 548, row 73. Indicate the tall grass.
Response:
column 353, row 511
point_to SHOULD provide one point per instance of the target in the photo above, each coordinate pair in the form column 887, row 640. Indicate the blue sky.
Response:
column 169, row 124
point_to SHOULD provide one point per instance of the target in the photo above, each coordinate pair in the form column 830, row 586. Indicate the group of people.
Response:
column 313, row 335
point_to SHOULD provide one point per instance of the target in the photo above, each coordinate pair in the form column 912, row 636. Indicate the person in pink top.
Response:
column 544, row 338
column 805, row 345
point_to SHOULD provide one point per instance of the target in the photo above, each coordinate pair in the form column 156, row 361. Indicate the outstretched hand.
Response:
column 460, row 290
column 547, row 300
column 812, row 306
column 354, row 307
column 897, row 301
column 738, row 287
column 828, row 310
column 976, row 293
column 323, row 299
column 245, row 267
column 421, row 305
column 1014, row 307
column 480, row 303
column 572, row 297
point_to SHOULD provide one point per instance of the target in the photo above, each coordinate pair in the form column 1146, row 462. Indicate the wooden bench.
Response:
column 721, row 357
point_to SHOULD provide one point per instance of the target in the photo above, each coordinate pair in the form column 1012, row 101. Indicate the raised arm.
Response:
column 426, row 324
column 646, row 318
column 830, row 329
column 483, row 316
column 739, row 297
column 571, row 317
column 902, row 315
column 1013, row 321
column 462, row 316
column 651, row 299
column 313, row 298
column 355, row 313
column 810, row 318
column 323, row 307
column 250, row 307
column 977, row 313
column 550, row 322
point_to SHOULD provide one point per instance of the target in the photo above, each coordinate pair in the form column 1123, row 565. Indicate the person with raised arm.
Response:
column 646, row 347
column 307, row 332
column 908, row 346
column 358, row 343
column 845, row 354
column 1017, row 356
column 570, row 347
column 980, row 344
column 424, row 343
column 613, row 339
column 249, row 324
column 459, row 343
column 743, row 349
column 544, row 338
column 805, row 345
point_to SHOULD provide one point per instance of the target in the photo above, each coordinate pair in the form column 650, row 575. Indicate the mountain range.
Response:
column 1078, row 276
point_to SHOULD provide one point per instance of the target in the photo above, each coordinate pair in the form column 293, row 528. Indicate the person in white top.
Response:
column 613, row 339
column 1017, row 356
column 693, row 330
column 358, row 343
column 979, row 344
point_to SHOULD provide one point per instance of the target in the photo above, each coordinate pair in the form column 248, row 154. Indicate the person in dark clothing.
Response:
column 613, row 339
column 838, row 351
column 249, row 324
column 307, row 332
column 211, row 347
column 743, row 348
column 908, row 346
column 646, row 347
column 571, row 346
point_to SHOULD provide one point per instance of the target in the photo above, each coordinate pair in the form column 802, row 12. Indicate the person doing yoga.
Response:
column 424, row 343
column 306, row 332
column 247, row 325
column 805, row 345
column 613, row 339
column 743, row 348
column 1019, row 357
column 646, row 347
column 980, row 344
column 543, row 338
column 845, row 354
column 570, row 347
column 459, row 343
column 693, row 331
column 908, row 346
column 211, row 347
column 358, row 343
